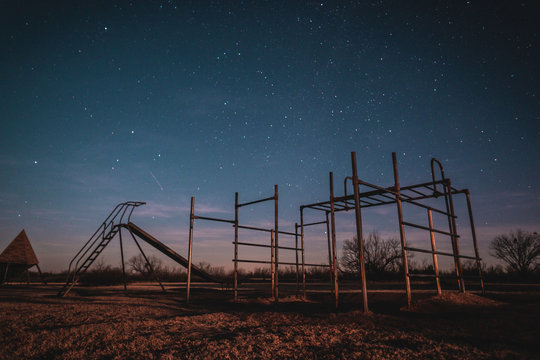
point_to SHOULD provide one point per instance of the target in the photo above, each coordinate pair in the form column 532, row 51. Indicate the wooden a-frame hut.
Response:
column 18, row 257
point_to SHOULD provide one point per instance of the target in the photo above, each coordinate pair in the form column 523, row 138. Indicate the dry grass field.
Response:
column 107, row 323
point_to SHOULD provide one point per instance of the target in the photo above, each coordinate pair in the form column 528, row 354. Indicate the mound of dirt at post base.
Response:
column 452, row 302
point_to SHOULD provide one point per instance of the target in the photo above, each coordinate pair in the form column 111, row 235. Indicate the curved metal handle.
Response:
column 433, row 161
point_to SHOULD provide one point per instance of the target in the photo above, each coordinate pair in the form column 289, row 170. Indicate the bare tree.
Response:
column 380, row 255
column 138, row 264
column 520, row 250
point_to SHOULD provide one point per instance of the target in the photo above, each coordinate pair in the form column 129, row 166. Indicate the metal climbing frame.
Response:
column 375, row 195
column 274, row 241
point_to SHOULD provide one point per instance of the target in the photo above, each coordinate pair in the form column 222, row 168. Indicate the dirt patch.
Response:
column 151, row 325
column 452, row 302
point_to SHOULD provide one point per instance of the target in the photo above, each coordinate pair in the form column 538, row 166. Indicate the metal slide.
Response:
column 168, row 251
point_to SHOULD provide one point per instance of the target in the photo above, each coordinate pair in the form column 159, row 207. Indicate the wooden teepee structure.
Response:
column 17, row 257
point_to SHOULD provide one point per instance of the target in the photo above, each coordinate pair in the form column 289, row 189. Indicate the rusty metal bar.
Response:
column 236, row 247
column 475, row 243
column 212, row 219
column 455, row 237
column 434, row 249
column 449, row 209
column 402, row 231
column 428, row 228
column 263, row 229
column 359, row 235
column 256, row 201
column 276, row 235
column 330, row 267
column 265, row 246
column 122, row 259
column 441, row 253
column 296, row 258
column 154, row 275
column 315, row 223
column 334, row 250
column 190, row 247
column 273, row 263
column 418, row 192
column 282, row 263
column 303, row 259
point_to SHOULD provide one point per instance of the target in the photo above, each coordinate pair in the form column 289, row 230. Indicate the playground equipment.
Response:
column 414, row 195
column 112, row 226
column 421, row 196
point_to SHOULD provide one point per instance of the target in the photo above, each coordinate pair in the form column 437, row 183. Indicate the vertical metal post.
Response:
column 272, row 263
column 303, row 259
column 5, row 273
column 473, row 231
column 122, row 259
column 397, row 190
column 455, row 238
column 276, row 241
column 41, row 275
column 236, row 246
column 190, row 247
column 434, row 249
column 330, row 266
column 296, row 253
column 359, row 235
column 150, row 267
column 334, row 250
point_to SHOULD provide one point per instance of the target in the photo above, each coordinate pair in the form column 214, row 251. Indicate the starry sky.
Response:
column 157, row 101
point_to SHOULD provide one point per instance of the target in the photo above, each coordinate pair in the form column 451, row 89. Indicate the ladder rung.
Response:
column 422, row 275
column 428, row 228
column 441, row 253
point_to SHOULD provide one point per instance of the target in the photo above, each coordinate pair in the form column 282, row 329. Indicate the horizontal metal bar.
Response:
column 280, row 263
column 254, row 261
column 441, row 253
column 423, row 275
column 313, row 223
column 318, row 265
column 444, row 276
column 426, row 184
column 213, row 219
column 267, row 246
column 265, row 230
column 416, row 191
column 256, row 201
column 428, row 228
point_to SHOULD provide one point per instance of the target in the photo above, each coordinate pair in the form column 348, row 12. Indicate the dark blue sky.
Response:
column 158, row 101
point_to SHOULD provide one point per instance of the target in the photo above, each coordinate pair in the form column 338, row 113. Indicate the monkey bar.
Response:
column 376, row 195
column 273, row 246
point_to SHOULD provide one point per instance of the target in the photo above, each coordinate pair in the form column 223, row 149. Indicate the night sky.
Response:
column 157, row 101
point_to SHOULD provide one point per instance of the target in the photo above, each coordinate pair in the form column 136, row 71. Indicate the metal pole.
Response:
column 296, row 253
column 476, row 253
column 434, row 249
column 190, row 247
column 41, row 275
column 303, row 259
column 330, row 267
column 455, row 238
column 5, row 273
column 359, row 235
column 334, row 250
column 397, row 190
column 272, row 263
column 276, row 249
column 236, row 246
column 147, row 261
column 122, row 257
